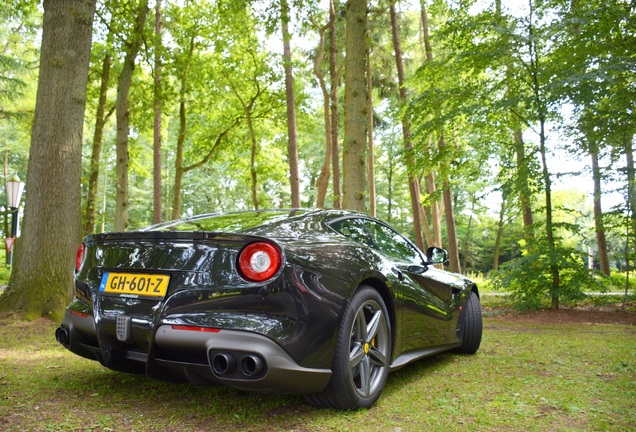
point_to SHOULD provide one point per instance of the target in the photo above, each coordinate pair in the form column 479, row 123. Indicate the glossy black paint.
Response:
column 290, row 321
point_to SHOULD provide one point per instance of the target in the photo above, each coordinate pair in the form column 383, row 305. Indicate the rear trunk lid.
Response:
column 131, row 279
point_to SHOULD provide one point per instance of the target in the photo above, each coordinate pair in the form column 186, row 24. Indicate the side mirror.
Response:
column 435, row 255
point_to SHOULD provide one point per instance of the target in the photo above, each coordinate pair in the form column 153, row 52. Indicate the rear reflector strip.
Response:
column 79, row 314
column 194, row 328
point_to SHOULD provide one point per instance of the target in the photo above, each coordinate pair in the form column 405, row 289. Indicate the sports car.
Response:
column 323, row 303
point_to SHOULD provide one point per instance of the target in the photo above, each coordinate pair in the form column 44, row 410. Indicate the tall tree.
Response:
column 101, row 117
column 537, row 86
column 449, row 213
column 601, row 240
column 179, row 170
column 323, row 178
column 355, row 105
column 334, row 75
column 414, row 186
column 292, row 140
column 156, row 165
column 434, row 233
column 123, row 116
column 370, row 149
column 249, row 90
column 42, row 279
column 523, row 164
column 597, row 79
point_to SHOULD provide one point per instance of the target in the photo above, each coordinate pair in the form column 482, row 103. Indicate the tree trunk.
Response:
column 414, row 186
column 100, row 120
column 179, row 170
column 389, row 181
column 630, row 231
column 631, row 188
column 5, row 213
column 554, row 269
column 523, row 168
column 436, row 213
column 123, row 120
column 253, row 152
column 500, row 230
column 452, row 245
column 156, row 147
column 601, row 242
column 42, row 279
column 451, row 234
column 370, row 151
column 322, row 184
column 292, row 141
column 434, row 238
column 178, row 160
column 426, row 37
column 523, row 189
column 355, row 130
column 335, row 78
column 540, row 106
column 465, row 245
column 248, row 108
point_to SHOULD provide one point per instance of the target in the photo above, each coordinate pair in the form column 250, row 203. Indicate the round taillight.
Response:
column 259, row 261
column 79, row 257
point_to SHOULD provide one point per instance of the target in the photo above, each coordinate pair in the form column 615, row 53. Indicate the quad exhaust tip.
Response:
column 61, row 335
column 223, row 363
column 251, row 365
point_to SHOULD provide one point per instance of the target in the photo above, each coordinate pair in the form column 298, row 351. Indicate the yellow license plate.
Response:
column 135, row 284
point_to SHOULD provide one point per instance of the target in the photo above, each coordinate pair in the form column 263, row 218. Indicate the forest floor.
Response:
column 527, row 375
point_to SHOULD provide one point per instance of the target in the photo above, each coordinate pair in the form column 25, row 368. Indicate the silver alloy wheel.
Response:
column 369, row 348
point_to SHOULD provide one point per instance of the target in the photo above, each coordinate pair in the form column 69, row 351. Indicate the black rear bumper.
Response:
column 240, row 359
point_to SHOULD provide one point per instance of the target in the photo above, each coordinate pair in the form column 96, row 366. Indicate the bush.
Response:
column 5, row 274
column 616, row 281
column 529, row 278
column 5, row 271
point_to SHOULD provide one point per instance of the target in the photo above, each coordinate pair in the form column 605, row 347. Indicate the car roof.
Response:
column 275, row 222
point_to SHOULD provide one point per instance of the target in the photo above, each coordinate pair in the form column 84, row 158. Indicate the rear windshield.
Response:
column 227, row 222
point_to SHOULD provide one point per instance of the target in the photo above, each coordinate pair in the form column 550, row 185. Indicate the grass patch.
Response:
column 530, row 374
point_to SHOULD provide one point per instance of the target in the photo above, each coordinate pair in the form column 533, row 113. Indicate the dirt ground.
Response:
column 604, row 315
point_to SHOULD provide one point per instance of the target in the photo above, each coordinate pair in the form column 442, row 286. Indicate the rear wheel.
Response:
column 470, row 326
column 362, row 355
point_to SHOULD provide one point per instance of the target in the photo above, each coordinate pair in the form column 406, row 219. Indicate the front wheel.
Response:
column 362, row 354
column 470, row 326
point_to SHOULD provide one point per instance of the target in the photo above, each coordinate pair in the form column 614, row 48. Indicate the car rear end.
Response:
column 200, row 306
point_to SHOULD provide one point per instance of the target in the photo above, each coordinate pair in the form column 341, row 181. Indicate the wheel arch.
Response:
column 389, row 302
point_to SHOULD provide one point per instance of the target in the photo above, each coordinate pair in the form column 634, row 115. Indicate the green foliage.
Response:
column 530, row 280
column 617, row 281
column 5, row 271
column 222, row 59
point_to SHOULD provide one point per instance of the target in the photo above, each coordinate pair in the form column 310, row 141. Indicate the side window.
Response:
column 356, row 230
column 392, row 243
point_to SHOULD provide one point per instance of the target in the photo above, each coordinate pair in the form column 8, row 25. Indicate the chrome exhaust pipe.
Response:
column 223, row 363
column 252, row 365
column 61, row 335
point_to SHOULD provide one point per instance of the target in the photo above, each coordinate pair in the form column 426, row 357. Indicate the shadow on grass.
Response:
column 130, row 400
column 413, row 372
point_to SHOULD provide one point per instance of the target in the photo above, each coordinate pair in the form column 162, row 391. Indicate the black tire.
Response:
column 362, row 355
column 469, row 327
